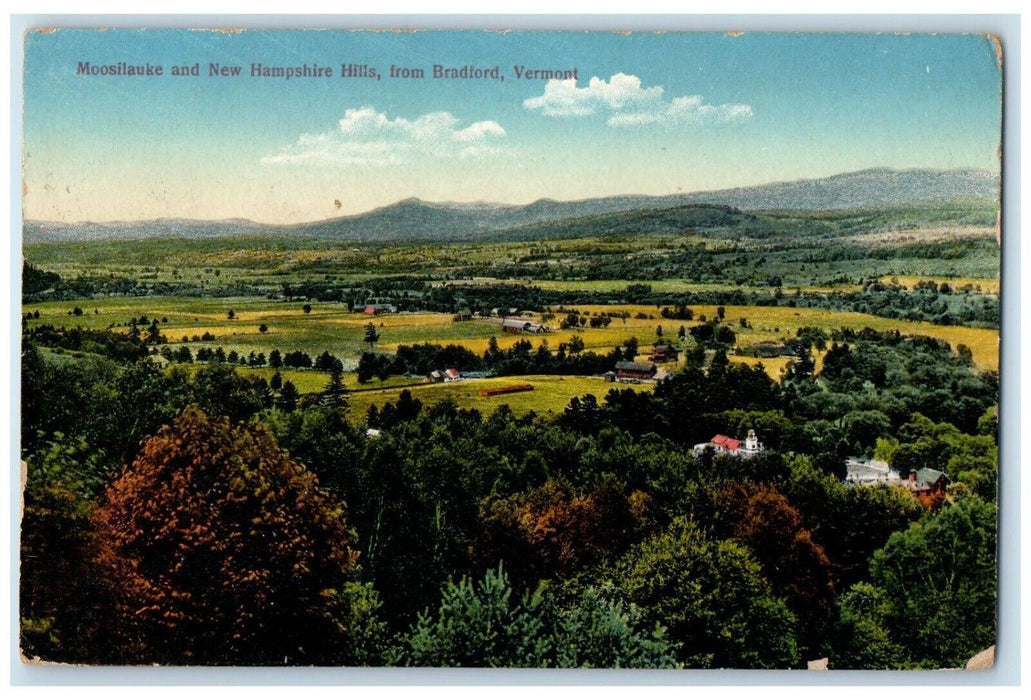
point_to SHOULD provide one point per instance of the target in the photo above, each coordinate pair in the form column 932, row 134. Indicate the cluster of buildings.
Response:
column 633, row 372
column 520, row 325
column 452, row 374
column 374, row 309
column 447, row 375
column 861, row 471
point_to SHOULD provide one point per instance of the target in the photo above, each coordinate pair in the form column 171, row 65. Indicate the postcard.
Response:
column 510, row 349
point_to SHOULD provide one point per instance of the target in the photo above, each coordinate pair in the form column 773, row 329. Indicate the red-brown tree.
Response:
column 796, row 567
column 551, row 531
column 220, row 549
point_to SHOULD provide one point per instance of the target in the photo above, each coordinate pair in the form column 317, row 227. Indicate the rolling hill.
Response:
column 412, row 220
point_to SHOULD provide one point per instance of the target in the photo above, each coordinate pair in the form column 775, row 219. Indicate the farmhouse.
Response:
column 926, row 481
column 448, row 375
column 867, row 472
column 522, row 325
column 635, row 371
column 664, row 353
column 862, row 471
column 721, row 444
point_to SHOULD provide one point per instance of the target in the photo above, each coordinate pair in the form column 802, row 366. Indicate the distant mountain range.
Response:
column 416, row 220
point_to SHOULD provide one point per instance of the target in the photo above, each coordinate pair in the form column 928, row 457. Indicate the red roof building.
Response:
column 722, row 444
column 726, row 444
column 635, row 370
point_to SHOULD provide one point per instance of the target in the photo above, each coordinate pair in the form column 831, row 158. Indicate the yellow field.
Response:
column 331, row 327
column 982, row 285
column 550, row 394
column 774, row 366
column 776, row 322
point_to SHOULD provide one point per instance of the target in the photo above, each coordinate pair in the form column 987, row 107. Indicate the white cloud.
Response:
column 479, row 131
column 694, row 110
column 629, row 105
column 367, row 137
column 562, row 98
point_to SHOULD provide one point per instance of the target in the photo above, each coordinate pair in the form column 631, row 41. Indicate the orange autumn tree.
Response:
column 796, row 567
column 552, row 532
column 220, row 549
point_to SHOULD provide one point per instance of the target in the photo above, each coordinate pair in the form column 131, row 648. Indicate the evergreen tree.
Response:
column 335, row 394
column 288, row 396
column 371, row 335
column 275, row 359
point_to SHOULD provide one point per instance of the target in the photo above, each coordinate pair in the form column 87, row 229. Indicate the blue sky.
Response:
column 648, row 114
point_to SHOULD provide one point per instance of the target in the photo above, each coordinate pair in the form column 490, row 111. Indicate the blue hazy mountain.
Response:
column 416, row 220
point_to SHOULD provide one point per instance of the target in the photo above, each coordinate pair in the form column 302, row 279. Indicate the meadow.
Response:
column 332, row 327
column 550, row 395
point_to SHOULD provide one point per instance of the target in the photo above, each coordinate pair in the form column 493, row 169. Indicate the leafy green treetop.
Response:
column 713, row 599
column 936, row 584
column 335, row 393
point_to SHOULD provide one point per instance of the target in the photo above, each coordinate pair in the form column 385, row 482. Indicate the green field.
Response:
column 550, row 394
column 776, row 322
column 330, row 326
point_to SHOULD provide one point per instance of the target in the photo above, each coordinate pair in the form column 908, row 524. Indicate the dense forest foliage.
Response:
column 184, row 516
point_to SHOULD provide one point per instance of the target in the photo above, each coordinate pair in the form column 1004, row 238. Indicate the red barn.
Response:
column 635, row 370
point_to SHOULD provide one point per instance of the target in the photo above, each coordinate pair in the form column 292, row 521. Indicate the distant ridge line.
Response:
column 413, row 219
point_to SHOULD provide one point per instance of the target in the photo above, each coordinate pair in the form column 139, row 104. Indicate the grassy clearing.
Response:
column 550, row 394
column 774, row 366
column 774, row 323
column 332, row 327
column 978, row 285
column 306, row 381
